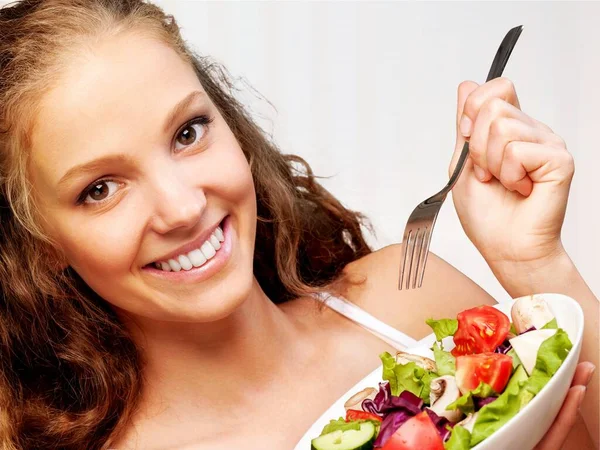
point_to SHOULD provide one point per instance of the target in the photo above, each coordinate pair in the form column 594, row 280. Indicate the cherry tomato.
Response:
column 417, row 433
column 481, row 329
column 355, row 414
column 494, row 369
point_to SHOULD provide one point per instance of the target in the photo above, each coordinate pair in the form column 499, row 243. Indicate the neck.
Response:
column 209, row 362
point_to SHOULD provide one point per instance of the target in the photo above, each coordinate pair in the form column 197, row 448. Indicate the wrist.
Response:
column 548, row 274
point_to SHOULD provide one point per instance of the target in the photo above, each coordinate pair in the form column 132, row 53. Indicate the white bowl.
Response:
column 525, row 429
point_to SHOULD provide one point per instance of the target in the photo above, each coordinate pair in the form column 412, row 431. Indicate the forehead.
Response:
column 113, row 94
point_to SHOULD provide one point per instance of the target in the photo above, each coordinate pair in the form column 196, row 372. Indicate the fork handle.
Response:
column 496, row 70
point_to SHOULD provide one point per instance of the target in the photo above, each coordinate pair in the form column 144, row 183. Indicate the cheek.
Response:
column 100, row 248
column 231, row 175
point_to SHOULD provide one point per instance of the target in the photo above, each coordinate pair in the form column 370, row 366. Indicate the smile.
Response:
column 195, row 258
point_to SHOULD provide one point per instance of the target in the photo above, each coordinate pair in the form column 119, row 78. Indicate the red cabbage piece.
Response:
column 481, row 402
column 443, row 425
column 390, row 425
column 503, row 348
column 395, row 410
column 384, row 402
column 532, row 328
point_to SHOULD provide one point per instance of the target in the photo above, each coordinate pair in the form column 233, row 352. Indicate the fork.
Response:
column 419, row 227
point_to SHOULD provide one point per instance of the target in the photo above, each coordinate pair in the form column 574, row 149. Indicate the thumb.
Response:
column 464, row 90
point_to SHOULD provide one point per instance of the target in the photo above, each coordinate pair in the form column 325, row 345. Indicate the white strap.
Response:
column 383, row 331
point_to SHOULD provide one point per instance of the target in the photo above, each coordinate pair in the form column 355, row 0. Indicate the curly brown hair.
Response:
column 70, row 374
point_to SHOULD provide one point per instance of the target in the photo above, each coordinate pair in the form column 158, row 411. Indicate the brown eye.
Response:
column 99, row 191
column 192, row 133
column 187, row 136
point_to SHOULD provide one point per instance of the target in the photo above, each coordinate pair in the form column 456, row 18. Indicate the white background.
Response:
column 366, row 93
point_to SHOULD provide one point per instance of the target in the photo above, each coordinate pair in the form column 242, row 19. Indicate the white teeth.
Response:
column 215, row 242
column 208, row 250
column 175, row 266
column 197, row 258
column 185, row 262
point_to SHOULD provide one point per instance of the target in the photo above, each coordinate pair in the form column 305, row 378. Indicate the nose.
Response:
column 178, row 202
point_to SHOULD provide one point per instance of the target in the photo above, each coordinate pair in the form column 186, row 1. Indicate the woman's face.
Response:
column 143, row 185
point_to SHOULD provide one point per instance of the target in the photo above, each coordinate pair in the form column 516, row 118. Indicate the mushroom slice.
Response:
column 355, row 402
column 469, row 422
column 443, row 392
column 421, row 361
column 530, row 311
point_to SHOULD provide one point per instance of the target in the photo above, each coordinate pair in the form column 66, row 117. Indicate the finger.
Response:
column 492, row 111
column 504, row 130
column 565, row 420
column 583, row 373
column 500, row 88
column 525, row 163
column 464, row 89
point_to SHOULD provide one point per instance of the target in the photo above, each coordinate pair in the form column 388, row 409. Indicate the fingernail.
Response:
column 479, row 173
column 589, row 378
column 581, row 395
column 465, row 126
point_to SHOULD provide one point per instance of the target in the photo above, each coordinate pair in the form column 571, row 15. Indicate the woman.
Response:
column 160, row 256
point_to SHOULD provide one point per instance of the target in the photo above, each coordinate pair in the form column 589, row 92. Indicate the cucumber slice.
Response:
column 361, row 439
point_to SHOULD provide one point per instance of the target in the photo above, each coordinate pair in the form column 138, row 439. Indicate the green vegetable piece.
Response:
column 465, row 402
column 361, row 438
column 443, row 327
column 520, row 389
column 512, row 330
column 445, row 362
column 340, row 424
column 552, row 325
column 407, row 377
column 515, row 358
column 550, row 357
column 459, row 439
column 389, row 362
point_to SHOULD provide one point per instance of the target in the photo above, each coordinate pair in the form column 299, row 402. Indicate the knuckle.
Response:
column 568, row 162
column 500, row 126
column 560, row 142
column 510, row 152
column 494, row 106
column 507, row 86
column 466, row 87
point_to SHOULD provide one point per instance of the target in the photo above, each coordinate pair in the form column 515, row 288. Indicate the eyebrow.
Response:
column 180, row 108
column 93, row 166
column 100, row 163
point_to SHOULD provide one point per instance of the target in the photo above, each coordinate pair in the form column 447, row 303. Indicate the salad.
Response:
column 462, row 396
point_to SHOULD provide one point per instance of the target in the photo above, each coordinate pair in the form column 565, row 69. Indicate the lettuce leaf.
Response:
column 520, row 389
column 459, row 439
column 515, row 358
column 465, row 402
column 445, row 362
column 389, row 362
column 443, row 327
column 551, row 325
column 340, row 424
column 491, row 417
column 550, row 357
column 406, row 377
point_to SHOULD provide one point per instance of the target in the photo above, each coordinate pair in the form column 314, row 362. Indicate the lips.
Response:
column 196, row 257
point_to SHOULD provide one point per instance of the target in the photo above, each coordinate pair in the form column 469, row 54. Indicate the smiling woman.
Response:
column 134, row 166
column 163, row 264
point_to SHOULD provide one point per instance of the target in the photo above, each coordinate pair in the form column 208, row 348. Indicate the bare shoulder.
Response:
column 445, row 291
